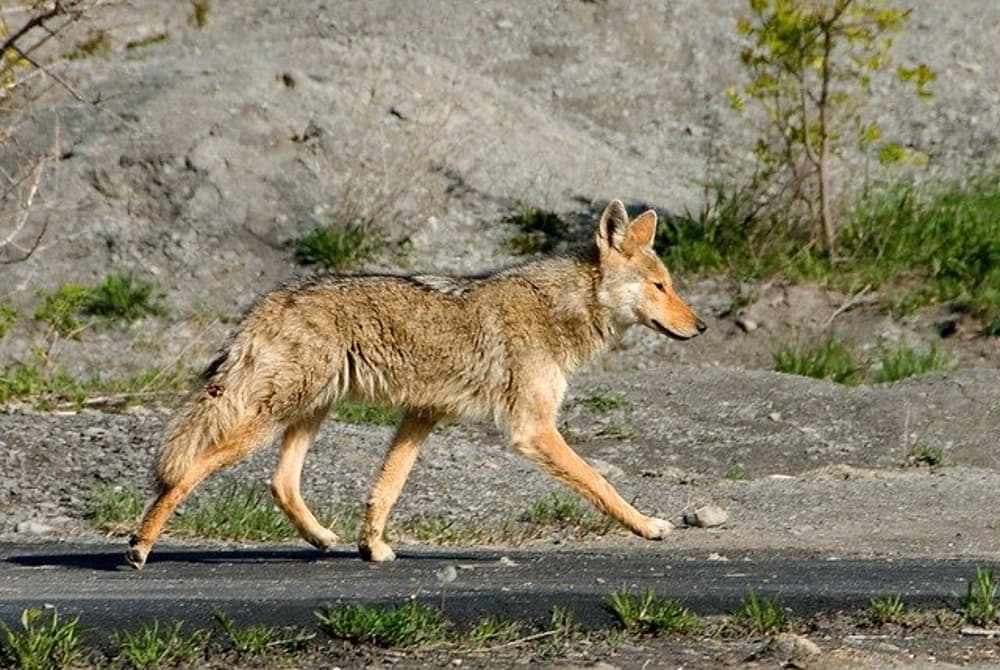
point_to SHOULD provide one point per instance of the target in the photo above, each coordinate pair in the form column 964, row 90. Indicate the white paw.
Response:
column 324, row 539
column 658, row 529
column 377, row 552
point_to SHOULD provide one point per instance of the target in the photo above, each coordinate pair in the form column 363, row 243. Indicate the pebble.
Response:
column 707, row 516
column 33, row 528
column 792, row 646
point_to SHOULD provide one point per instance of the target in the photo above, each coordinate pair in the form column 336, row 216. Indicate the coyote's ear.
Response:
column 641, row 232
column 612, row 228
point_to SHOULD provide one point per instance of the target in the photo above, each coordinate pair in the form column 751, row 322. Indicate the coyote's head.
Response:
column 635, row 285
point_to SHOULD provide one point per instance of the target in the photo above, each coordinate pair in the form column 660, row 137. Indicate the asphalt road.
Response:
column 287, row 584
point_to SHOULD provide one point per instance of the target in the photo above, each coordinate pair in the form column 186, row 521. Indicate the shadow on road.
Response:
column 115, row 560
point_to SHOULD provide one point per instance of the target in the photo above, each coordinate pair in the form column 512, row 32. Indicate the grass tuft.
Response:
column 887, row 609
column 115, row 509
column 763, row 617
column 256, row 639
column 541, row 231
column 98, row 43
column 349, row 410
column 336, row 247
column 235, row 512
column 603, row 400
column 927, row 454
column 123, row 296
column 939, row 242
column 979, row 606
column 8, row 316
column 201, row 10
column 491, row 630
column 650, row 613
column 152, row 646
column 46, row 389
column 400, row 626
column 564, row 510
column 40, row 643
column 904, row 361
column 827, row 359
column 60, row 309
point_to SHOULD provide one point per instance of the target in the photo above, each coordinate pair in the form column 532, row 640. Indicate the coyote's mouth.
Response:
column 660, row 328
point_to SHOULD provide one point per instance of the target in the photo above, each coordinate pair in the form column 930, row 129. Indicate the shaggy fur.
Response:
column 498, row 346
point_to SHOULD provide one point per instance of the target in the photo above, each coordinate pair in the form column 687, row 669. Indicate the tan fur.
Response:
column 499, row 346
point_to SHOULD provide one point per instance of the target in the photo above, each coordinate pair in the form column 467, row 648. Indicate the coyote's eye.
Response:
column 659, row 286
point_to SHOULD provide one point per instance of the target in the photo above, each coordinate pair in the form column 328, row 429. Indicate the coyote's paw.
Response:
column 136, row 553
column 658, row 529
column 323, row 539
column 376, row 552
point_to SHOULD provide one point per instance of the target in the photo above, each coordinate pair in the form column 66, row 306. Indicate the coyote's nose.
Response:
column 701, row 326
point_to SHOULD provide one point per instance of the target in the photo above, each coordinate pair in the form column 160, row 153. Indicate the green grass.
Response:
column 887, row 609
column 826, row 359
column 40, row 643
column 491, row 630
column 257, row 639
column 235, row 511
column 8, row 317
column 201, row 10
column 927, row 454
column 147, row 41
column 914, row 244
column 565, row 510
column 336, row 247
column 540, row 231
column 46, row 388
column 650, row 613
column 938, row 242
column 60, row 309
column 992, row 327
column 904, row 361
column 616, row 430
column 349, row 410
column 123, row 296
column 115, row 509
column 406, row 625
column 98, row 43
column 760, row 616
column 979, row 606
column 603, row 400
column 154, row 646
column 723, row 235
column 120, row 297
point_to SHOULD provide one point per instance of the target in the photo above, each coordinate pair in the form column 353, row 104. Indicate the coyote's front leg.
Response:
column 544, row 445
column 410, row 435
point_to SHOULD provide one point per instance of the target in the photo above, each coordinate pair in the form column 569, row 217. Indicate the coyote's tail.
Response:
column 215, row 409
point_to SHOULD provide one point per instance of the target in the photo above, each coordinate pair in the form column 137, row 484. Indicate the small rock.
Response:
column 708, row 516
column 788, row 648
column 746, row 324
column 874, row 643
column 447, row 574
column 33, row 528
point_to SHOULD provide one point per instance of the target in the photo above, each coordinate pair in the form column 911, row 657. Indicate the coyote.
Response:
column 499, row 345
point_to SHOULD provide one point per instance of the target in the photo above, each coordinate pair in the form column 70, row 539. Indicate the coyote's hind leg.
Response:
column 287, row 480
column 232, row 448
column 410, row 435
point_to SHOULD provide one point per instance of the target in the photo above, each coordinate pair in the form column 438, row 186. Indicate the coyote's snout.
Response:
column 499, row 346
